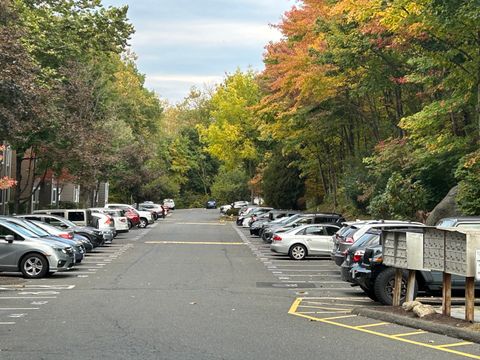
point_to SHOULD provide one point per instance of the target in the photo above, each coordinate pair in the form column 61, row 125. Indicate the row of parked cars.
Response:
column 47, row 241
column 356, row 247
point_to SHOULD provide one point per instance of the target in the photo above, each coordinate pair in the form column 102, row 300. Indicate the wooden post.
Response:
column 410, row 285
column 397, row 291
column 447, row 294
column 469, row 298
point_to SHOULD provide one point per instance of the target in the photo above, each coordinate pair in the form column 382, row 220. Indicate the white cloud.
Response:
column 182, row 78
column 204, row 33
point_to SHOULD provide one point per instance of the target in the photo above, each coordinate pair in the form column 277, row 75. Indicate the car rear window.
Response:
column 76, row 216
column 349, row 232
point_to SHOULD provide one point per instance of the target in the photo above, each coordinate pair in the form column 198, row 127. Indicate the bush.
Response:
column 400, row 200
column 468, row 174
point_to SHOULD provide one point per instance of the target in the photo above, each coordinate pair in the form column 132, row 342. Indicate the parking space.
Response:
column 19, row 300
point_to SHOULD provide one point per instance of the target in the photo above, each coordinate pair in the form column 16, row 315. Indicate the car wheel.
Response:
column 34, row 266
column 130, row 224
column 143, row 223
column 297, row 252
column 385, row 283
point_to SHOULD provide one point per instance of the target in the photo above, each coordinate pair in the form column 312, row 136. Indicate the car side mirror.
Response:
column 9, row 238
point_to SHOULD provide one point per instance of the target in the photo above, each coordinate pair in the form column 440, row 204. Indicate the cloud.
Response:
column 204, row 33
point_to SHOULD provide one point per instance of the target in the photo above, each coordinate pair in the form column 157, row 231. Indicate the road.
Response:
column 192, row 287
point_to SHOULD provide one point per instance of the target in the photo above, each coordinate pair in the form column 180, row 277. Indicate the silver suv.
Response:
column 22, row 250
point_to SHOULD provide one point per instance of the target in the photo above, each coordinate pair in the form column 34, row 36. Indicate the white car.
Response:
column 120, row 222
column 169, row 203
column 299, row 242
column 146, row 217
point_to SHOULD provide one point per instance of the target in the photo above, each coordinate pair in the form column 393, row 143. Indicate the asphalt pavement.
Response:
column 193, row 287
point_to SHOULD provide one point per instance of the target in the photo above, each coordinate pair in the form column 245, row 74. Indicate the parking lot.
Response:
column 321, row 296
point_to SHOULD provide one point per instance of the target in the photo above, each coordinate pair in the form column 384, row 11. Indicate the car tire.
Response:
column 384, row 284
column 143, row 223
column 130, row 225
column 297, row 252
column 34, row 266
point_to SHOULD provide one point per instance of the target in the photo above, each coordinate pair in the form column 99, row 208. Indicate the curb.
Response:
column 417, row 323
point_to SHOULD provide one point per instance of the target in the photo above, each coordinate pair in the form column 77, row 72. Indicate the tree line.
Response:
column 364, row 107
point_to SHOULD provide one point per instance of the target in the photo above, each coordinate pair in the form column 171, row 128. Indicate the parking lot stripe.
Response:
column 8, row 323
column 455, row 344
column 410, row 333
column 195, row 242
column 339, row 317
column 371, row 325
column 28, row 297
column 19, row 309
column 297, row 302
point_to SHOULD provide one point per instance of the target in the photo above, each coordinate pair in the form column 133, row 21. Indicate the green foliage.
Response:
column 400, row 200
column 468, row 176
column 230, row 185
column 282, row 186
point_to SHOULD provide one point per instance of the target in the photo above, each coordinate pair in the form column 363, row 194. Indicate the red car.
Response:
column 133, row 218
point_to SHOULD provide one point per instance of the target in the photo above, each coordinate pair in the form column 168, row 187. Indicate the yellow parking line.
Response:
column 324, row 308
column 372, row 325
column 297, row 302
column 455, row 344
column 339, row 317
column 195, row 242
column 411, row 333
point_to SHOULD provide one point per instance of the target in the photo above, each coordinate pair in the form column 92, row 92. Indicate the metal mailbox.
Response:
column 403, row 249
column 451, row 250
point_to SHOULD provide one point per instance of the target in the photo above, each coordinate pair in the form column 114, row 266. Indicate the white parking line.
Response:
column 8, row 323
column 9, row 309
column 27, row 297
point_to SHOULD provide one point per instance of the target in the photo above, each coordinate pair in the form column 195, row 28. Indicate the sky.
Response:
column 185, row 43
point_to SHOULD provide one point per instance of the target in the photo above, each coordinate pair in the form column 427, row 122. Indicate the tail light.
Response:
column 68, row 236
column 357, row 257
column 109, row 220
column 349, row 240
column 277, row 238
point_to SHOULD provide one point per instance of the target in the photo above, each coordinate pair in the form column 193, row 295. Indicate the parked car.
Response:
column 253, row 210
column 211, row 204
column 302, row 219
column 105, row 224
column 350, row 236
column 298, row 243
column 465, row 222
column 272, row 217
column 159, row 211
column 133, row 218
column 21, row 250
column 169, row 203
column 61, row 236
column 146, row 217
column 120, row 221
column 96, row 237
column 80, row 217
column 52, row 233
column 225, row 208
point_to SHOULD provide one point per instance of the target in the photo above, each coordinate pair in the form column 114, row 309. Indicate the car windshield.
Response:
column 52, row 230
column 30, row 226
column 290, row 219
column 349, row 232
column 368, row 239
column 22, row 230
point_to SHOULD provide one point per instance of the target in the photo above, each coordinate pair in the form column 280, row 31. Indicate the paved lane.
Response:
column 186, row 289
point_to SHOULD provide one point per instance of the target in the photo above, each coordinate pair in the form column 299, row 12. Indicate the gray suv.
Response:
column 21, row 250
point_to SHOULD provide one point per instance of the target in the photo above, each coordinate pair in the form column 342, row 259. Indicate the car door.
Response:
column 10, row 252
column 318, row 239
